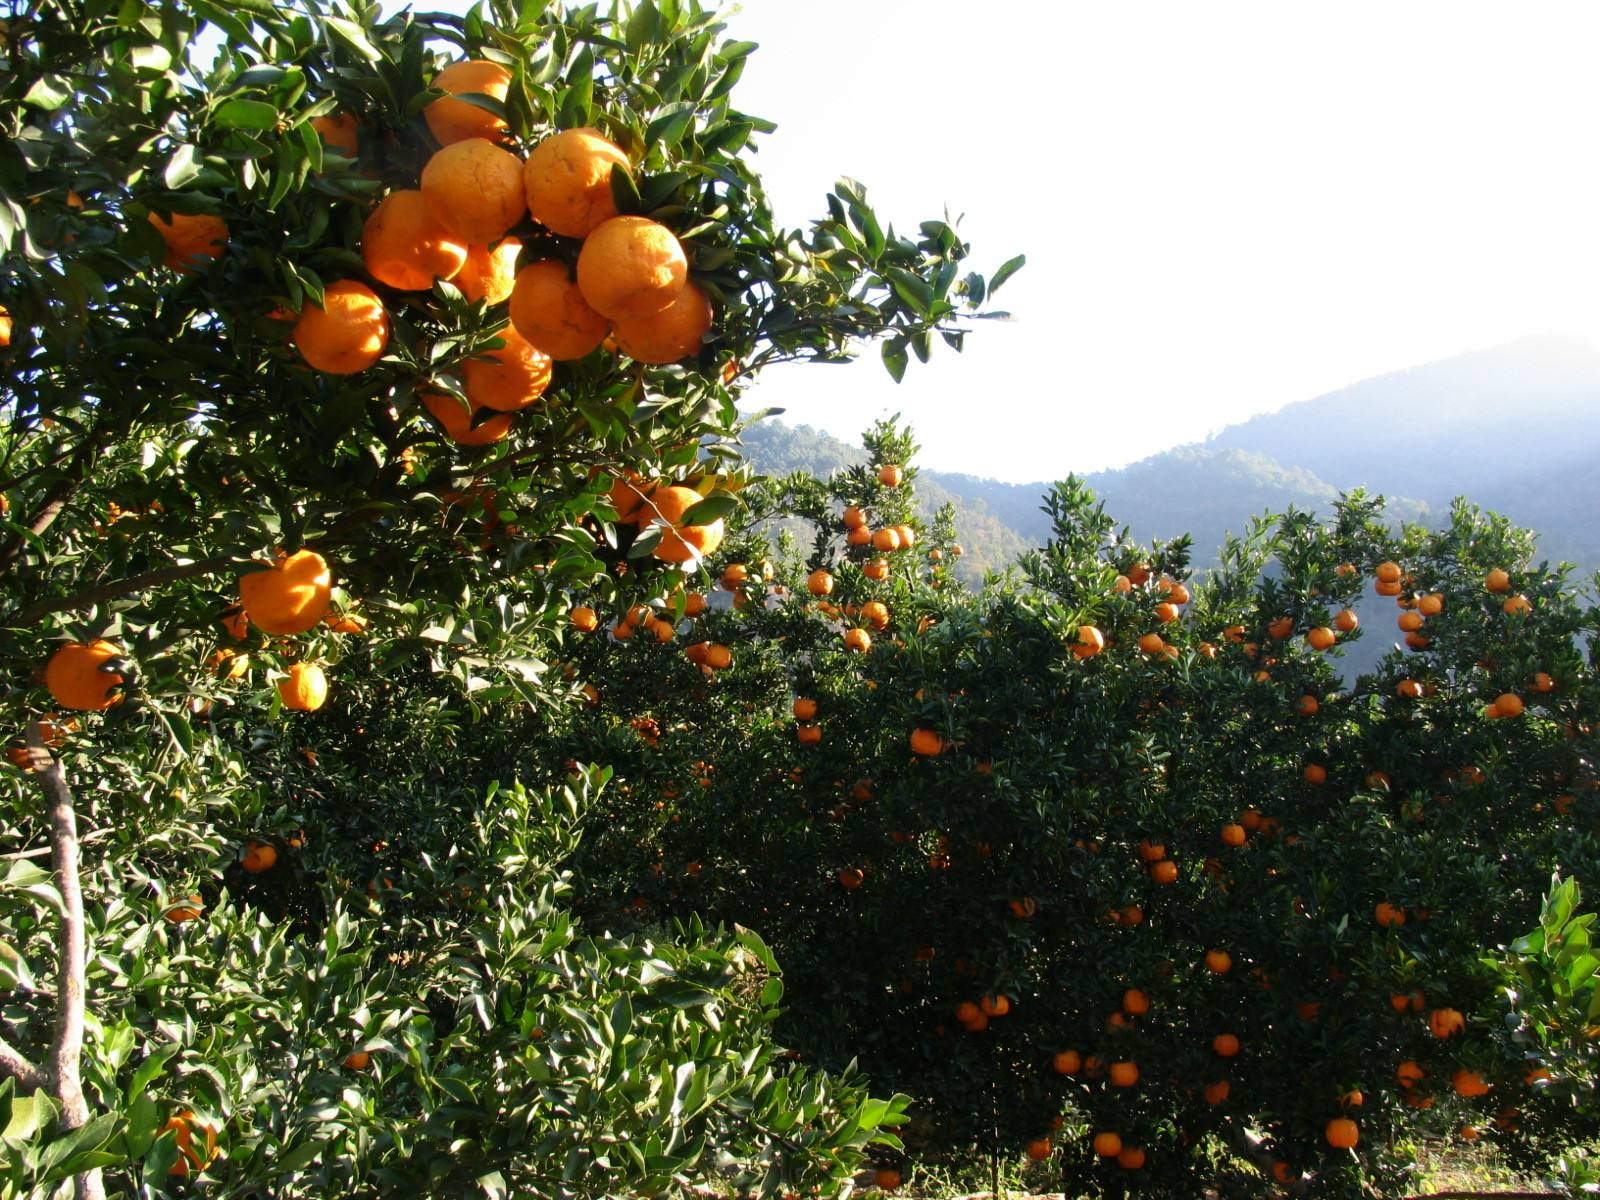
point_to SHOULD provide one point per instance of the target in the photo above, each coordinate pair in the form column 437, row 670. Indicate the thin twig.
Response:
column 66, row 1054
column 121, row 587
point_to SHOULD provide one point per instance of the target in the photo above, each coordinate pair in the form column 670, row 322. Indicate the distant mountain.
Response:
column 1515, row 429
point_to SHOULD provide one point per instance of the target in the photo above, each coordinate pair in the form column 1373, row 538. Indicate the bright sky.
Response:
column 1225, row 207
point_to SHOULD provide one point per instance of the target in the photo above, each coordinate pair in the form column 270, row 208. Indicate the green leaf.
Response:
column 712, row 508
column 895, row 358
column 246, row 114
column 642, row 26
column 49, row 92
column 353, row 37
column 668, row 127
column 182, row 168
column 1006, row 271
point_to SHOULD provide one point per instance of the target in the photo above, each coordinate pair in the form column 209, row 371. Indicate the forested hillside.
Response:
column 1465, row 426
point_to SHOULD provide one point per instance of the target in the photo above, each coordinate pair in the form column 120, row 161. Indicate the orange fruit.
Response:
column 1409, row 1074
column 584, row 619
column 1390, row 916
column 1151, row 851
column 1090, row 641
column 1430, row 605
column 886, row 1179
column 1315, row 773
column 1219, row 962
column 1123, row 1074
column 1122, row 585
column 886, row 539
column 1226, row 1045
column 1542, row 682
column 630, row 267
column 808, row 735
column 1130, row 1158
column 348, row 333
column 994, row 1006
column 1038, row 1149
column 405, row 246
column 452, row 120
column 890, row 475
column 859, row 535
column 677, row 331
column 5, row 340
column 1517, row 606
column 455, row 418
column 1164, row 872
column 188, row 908
column 291, row 595
column 1445, row 1022
column 854, row 518
column 1234, row 835
column 877, row 569
column 568, row 181
column 1497, row 580
column 1409, row 622
column 1307, row 706
column 304, row 688
column 804, row 709
column 1388, row 572
column 259, row 857
column 1341, row 1133
column 850, row 878
column 1387, row 589
column 926, row 742
column 77, row 678
column 509, row 378
column 1467, row 1082
column 1107, row 1145
column 876, row 613
column 1167, row 612
column 1346, row 621
column 819, row 583
column 339, row 131
column 1321, row 638
column 1152, row 643
column 1067, row 1062
column 1217, row 1092
column 679, row 542
column 357, row 1060
column 474, row 188
column 190, row 1158
column 190, row 238
column 857, row 639
column 489, row 273
column 549, row 310
column 1135, row 1003
column 1509, row 704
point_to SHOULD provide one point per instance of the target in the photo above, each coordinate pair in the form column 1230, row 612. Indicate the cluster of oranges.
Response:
column 631, row 288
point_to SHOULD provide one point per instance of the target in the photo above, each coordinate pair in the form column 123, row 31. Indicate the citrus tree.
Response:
column 1111, row 866
column 333, row 341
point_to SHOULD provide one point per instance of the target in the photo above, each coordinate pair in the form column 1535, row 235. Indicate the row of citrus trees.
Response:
column 1112, row 867
column 326, row 339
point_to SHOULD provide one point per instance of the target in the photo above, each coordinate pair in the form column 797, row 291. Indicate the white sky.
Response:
column 1226, row 207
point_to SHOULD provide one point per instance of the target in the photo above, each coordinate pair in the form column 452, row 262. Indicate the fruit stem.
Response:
column 67, row 1051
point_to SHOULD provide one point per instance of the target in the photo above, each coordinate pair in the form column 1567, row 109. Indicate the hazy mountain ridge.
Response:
column 1515, row 429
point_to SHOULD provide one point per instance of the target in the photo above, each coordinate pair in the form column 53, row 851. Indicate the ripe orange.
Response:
column 1122, row 585
column 1067, row 1062
column 994, row 1006
column 188, row 908
column 1164, row 872
column 1445, row 1022
column 405, row 246
column 886, row 1179
column 291, row 595
column 850, row 878
column 489, row 273
column 509, row 378
column 1130, row 1158
column 1226, row 1045
column 348, row 333
column 1234, row 835
column 357, row 1060
column 1280, row 628
column 1389, row 916
column 719, row 657
column 1388, row 572
column 1517, row 606
column 1321, row 638
column 1167, row 612
column 5, row 340
column 859, row 535
column 1542, row 682
column 876, row 613
column 259, row 857
column 886, row 538
column 1219, row 962
column 1430, row 605
column 1217, row 1092
column 630, row 267
column 584, row 619
column 857, row 639
column 679, row 542
column 1409, row 622
column 474, row 188
column 733, row 577
column 1467, row 1082
column 1315, row 774
column 677, row 331
column 1090, row 641
column 890, row 475
column 1038, row 1149
column 1497, row 580
column 183, row 1127
column 854, row 518
column 1509, row 704
column 1123, row 1074
column 1107, row 1144
column 1152, row 643
column 77, row 678
column 453, row 120
column 1346, row 621
column 304, row 688
column 1307, row 706
column 808, row 735
column 549, row 310
column 455, row 418
column 568, row 181
column 1135, row 1003
column 926, row 742
column 819, row 583
column 1138, row 573
column 339, row 131
column 1409, row 1074
column 804, row 709
column 1341, row 1133
column 191, row 239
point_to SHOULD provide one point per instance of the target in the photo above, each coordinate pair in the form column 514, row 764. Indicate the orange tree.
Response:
column 1109, row 865
column 330, row 342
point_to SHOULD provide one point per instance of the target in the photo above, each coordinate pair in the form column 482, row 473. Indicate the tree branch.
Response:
column 12, row 1062
column 66, row 1054
column 121, row 587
